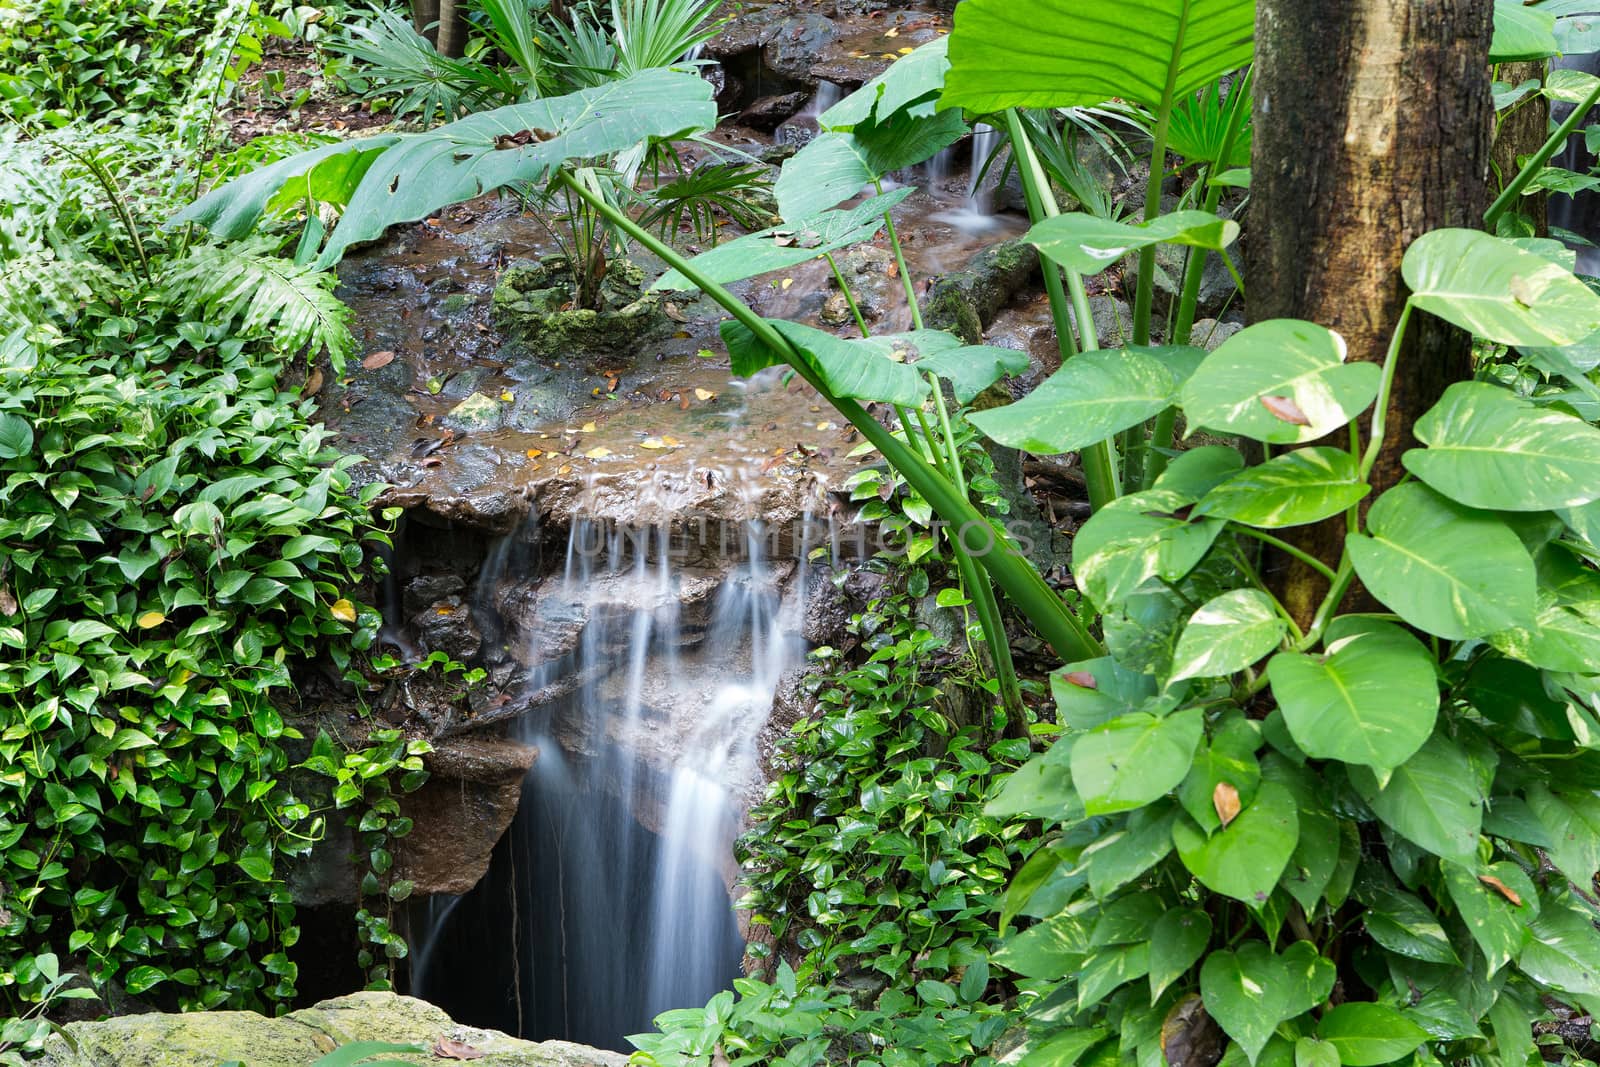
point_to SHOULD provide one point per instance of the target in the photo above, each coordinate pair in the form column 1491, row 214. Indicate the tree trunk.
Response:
column 1372, row 126
column 1521, row 134
column 443, row 22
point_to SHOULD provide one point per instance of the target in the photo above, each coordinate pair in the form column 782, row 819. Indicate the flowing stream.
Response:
column 609, row 900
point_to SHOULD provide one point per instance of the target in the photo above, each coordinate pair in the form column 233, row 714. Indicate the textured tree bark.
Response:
column 1520, row 134
column 425, row 17
column 444, row 22
column 1372, row 126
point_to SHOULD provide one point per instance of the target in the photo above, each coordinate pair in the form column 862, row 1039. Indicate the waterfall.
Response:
column 803, row 127
column 985, row 139
column 608, row 901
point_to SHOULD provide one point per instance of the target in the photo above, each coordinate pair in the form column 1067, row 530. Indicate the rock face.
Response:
column 204, row 1039
column 533, row 307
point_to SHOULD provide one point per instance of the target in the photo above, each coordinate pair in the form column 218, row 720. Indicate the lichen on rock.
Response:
column 534, row 309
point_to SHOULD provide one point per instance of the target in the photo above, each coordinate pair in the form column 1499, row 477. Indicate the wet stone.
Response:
column 476, row 414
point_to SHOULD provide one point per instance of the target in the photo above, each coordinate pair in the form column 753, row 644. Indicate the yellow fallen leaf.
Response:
column 598, row 452
column 893, row 31
column 907, row 51
column 444, row 611
column 505, row 394
column 343, row 610
column 671, row 442
column 788, row 282
column 652, row 443
column 588, row 427
column 566, row 468
column 824, row 425
column 535, row 453
column 151, row 619
column 704, row 394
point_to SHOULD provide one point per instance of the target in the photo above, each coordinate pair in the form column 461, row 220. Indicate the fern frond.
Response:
column 246, row 284
column 38, row 284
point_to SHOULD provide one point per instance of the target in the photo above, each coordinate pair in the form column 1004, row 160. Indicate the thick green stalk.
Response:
column 900, row 262
column 1380, row 412
column 1535, row 164
column 1056, row 622
column 849, row 297
column 1099, row 467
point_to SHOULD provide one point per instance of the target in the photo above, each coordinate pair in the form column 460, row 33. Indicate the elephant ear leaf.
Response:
column 1079, row 53
column 410, row 176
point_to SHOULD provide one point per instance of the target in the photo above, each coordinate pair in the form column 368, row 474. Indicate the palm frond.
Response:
column 741, row 191
column 39, row 285
column 247, row 284
column 660, row 33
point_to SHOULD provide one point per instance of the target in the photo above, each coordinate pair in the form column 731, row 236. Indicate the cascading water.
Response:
column 609, row 902
column 976, row 215
column 803, row 126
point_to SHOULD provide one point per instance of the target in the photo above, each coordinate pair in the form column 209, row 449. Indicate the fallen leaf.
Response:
column 683, row 402
column 566, row 468
column 906, row 51
column 598, row 452
column 673, row 313
column 446, row 1049
column 1500, row 887
column 313, row 384
column 148, row 621
column 652, row 443
column 507, row 395
column 704, row 394
column 786, row 283
column 1225, row 798
column 535, row 453
column 378, row 359
column 343, row 610
column 1287, row 410
column 706, row 353
column 1082, row 679
column 893, row 31
column 588, row 427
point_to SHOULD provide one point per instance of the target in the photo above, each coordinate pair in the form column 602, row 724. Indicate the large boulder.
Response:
column 204, row 1039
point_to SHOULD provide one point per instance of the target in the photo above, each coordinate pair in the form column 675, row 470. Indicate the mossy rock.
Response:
column 532, row 308
column 204, row 1039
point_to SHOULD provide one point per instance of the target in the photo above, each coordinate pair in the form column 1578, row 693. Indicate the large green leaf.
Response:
column 1572, row 820
column 1433, row 799
column 1245, row 860
column 1483, row 898
column 1494, row 289
column 16, row 436
column 1096, row 691
column 835, row 165
column 1488, row 448
column 1094, row 395
column 1135, row 538
column 1247, row 993
column 1281, row 381
column 1088, row 244
column 1565, row 635
column 1177, row 941
column 1446, row 569
column 1371, row 698
column 416, row 174
column 1228, row 633
column 911, row 80
column 1563, row 949
column 231, row 211
column 874, row 368
column 786, row 246
column 1124, row 854
column 970, row 369
column 1367, row 1035
column 1403, row 924
column 1072, row 53
column 1299, row 487
column 1521, row 33
column 1134, row 759
column 1228, row 759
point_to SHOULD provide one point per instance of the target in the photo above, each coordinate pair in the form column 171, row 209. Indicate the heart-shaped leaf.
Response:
column 1237, row 387
column 1225, row 776
column 1522, row 33
column 1249, row 991
column 1565, row 635
column 1135, row 759
column 1299, row 487
column 1371, row 698
column 970, row 369
column 1135, row 538
column 835, row 165
column 1088, row 244
column 1227, row 634
column 1499, row 926
column 1490, row 449
column 1367, row 1035
column 1177, row 940
column 1245, row 860
column 1432, row 799
column 1572, row 821
column 1494, row 289
column 1563, row 950
column 1093, row 395
column 875, row 368
column 1096, row 691
column 1444, row 568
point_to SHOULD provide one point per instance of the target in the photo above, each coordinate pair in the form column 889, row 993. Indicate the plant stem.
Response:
column 849, row 297
column 1061, row 627
column 1144, row 295
column 1380, row 413
column 1285, row 547
column 1099, row 469
column 1536, row 162
column 1330, row 603
column 900, row 264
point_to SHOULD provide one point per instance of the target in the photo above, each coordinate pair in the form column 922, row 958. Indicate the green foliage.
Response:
column 26, row 1033
column 62, row 60
column 872, row 863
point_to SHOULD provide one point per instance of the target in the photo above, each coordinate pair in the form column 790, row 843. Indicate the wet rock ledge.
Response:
column 205, row 1039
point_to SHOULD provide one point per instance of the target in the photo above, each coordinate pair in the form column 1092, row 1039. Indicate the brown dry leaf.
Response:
column 673, row 313
column 683, row 402
column 8, row 602
column 378, row 359
column 446, row 1049
column 1500, row 887
column 148, row 621
column 611, row 386
column 1225, row 798
column 704, row 394
column 1287, row 410
column 343, row 610
column 1082, row 679
column 313, row 384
